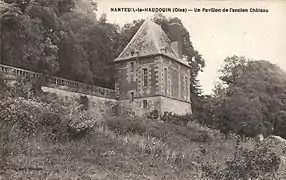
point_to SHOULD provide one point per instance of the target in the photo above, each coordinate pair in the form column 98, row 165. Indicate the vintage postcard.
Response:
column 129, row 89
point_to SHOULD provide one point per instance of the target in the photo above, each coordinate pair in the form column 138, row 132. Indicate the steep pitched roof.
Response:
column 150, row 39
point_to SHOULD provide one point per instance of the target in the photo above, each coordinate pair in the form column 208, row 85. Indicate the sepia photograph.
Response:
column 142, row 90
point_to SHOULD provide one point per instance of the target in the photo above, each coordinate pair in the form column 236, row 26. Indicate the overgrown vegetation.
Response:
column 176, row 119
column 248, row 101
column 65, row 38
column 52, row 134
column 43, row 135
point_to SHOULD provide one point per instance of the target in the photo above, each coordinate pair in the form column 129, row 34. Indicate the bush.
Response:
column 5, row 140
column 50, row 119
column 37, row 86
column 45, row 115
column 76, row 125
column 48, row 97
column 65, row 121
column 257, row 163
column 3, row 84
column 23, row 114
column 122, row 111
column 153, row 114
column 84, row 102
column 173, row 132
column 81, row 124
column 170, row 117
column 127, row 125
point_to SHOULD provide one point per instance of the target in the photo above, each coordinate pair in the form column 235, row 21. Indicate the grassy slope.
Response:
column 105, row 154
column 117, row 148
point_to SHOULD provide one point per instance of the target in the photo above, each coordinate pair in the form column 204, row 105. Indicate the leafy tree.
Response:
column 204, row 111
column 27, row 43
column 252, row 100
column 64, row 38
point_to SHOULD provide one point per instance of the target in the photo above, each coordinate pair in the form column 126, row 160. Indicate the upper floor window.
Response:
column 145, row 77
column 186, row 84
column 132, row 66
column 165, row 80
column 132, row 96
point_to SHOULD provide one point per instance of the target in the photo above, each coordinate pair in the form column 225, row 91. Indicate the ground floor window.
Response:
column 145, row 104
column 132, row 96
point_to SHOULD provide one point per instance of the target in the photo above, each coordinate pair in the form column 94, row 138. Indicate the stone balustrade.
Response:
column 60, row 83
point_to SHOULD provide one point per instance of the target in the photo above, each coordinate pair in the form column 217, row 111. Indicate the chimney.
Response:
column 176, row 38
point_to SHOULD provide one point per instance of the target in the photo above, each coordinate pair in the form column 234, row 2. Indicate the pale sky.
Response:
column 216, row 35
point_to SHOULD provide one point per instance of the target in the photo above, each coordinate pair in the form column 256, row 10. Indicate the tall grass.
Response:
column 193, row 145
column 52, row 133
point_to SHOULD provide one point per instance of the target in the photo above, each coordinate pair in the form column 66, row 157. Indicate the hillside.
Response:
column 56, row 138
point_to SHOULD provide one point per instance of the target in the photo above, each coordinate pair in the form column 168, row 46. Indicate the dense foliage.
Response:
column 45, row 115
column 258, row 163
column 249, row 101
column 58, row 37
column 65, row 38
column 54, row 131
column 169, row 117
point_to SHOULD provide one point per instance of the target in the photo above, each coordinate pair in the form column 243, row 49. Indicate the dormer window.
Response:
column 132, row 53
column 137, row 53
column 168, row 36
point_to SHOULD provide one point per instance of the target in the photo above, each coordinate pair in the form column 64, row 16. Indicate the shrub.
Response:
column 48, row 97
column 257, row 163
column 3, row 84
column 5, row 90
column 76, row 125
column 23, row 114
column 173, row 132
column 252, row 164
column 23, row 89
column 81, row 124
column 84, row 101
column 122, row 111
column 115, row 110
column 5, row 140
column 153, row 114
column 127, row 125
column 65, row 121
column 37, row 86
column 170, row 117
column 50, row 119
